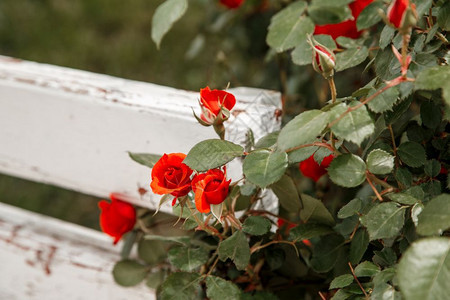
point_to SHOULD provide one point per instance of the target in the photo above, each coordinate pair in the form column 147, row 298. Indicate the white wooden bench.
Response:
column 73, row 129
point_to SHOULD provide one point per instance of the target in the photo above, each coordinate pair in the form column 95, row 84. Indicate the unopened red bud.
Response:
column 402, row 15
column 324, row 60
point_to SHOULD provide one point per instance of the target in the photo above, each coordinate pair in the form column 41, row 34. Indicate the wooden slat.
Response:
column 46, row 258
column 73, row 128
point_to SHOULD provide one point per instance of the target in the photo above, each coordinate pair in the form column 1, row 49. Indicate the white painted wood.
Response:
column 45, row 258
column 73, row 128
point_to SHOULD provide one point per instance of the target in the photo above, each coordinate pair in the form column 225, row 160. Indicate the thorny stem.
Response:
column 394, row 146
column 325, row 145
column 405, row 44
column 332, row 89
column 213, row 266
column 201, row 224
column 380, row 182
column 357, row 281
column 333, row 100
column 389, row 84
column 354, row 231
column 254, row 249
column 322, row 296
column 374, row 188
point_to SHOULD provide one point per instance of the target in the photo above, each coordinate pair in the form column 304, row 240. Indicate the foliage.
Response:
column 377, row 226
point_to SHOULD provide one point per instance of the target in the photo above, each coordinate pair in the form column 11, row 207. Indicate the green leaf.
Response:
column 256, row 225
column 347, row 170
column 433, row 79
column 350, row 209
column 384, row 276
column 384, row 101
column 380, row 162
column 288, row 27
column 366, row 269
column 424, row 270
column 326, row 253
column 301, row 154
column 152, row 251
column 264, row 167
column 165, row 16
column 435, row 217
column 146, row 159
column 358, row 246
column 328, row 14
column 369, row 16
column 351, row 58
column 154, row 280
column 235, row 248
column 444, row 16
column 404, row 176
column 397, row 111
column 183, row 240
column 341, row 295
column 355, row 126
column 181, row 286
column 129, row 272
column 221, row 289
column 210, row 154
column 287, row 194
column 314, row 211
column 308, row 230
column 384, row 220
column 412, row 154
column 186, row 258
column 384, row 291
column 387, row 34
column 432, row 168
column 341, row 281
column 267, row 141
column 303, row 129
column 403, row 198
column 430, row 114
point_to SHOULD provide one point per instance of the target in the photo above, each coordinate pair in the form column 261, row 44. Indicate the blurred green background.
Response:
column 113, row 37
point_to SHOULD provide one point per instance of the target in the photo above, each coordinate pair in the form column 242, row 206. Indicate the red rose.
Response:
column 171, row 176
column 213, row 104
column 310, row 168
column 397, row 11
column 116, row 217
column 210, row 188
column 345, row 28
column 232, row 3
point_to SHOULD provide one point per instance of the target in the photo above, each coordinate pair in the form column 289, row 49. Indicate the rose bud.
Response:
column 210, row 188
column 116, row 217
column 215, row 105
column 402, row 15
column 232, row 4
column 171, row 176
column 310, row 168
column 346, row 28
column 323, row 59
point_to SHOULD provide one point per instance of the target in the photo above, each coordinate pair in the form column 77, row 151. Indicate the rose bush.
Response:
column 378, row 225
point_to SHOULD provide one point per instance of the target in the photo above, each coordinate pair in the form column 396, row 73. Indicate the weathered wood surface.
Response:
column 45, row 258
column 73, row 128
